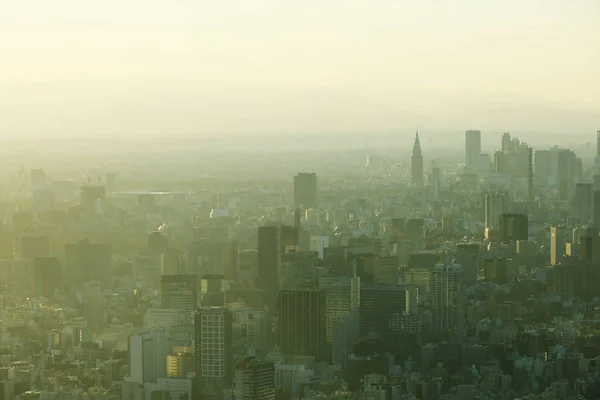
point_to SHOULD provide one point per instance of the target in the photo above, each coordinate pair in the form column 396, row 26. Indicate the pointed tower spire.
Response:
column 416, row 162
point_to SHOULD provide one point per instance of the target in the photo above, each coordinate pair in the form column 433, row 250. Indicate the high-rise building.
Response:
column 380, row 306
column 148, row 356
column 47, row 276
column 273, row 241
column 557, row 245
column 92, row 199
column 416, row 163
column 342, row 294
column 472, row 150
column 254, row 380
column 29, row 247
column 301, row 329
column 448, row 299
column 582, row 202
column 495, row 204
column 514, row 227
column 214, row 353
column 597, row 209
column 212, row 290
column 86, row 262
column 180, row 292
column 305, row 190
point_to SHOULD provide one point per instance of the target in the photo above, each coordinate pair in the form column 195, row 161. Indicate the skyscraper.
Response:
column 305, row 190
column 416, row 163
column 180, row 292
column 582, row 202
column 46, row 276
column 148, row 356
column 273, row 241
column 472, row 150
column 342, row 294
column 448, row 295
column 513, row 227
column 380, row 305
column 214, row 353
column 301, row 329
column 557, row 244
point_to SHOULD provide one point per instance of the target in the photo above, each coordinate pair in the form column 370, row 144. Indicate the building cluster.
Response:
column 475, row 278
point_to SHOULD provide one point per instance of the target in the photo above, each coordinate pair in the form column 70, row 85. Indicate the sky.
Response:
column 420, row 59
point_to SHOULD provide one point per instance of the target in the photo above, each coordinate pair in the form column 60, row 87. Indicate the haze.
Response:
column 210, row 68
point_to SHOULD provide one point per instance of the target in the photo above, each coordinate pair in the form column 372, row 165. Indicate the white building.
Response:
column 148, row 356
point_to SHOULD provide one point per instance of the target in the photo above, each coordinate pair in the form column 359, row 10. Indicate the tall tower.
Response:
column 447, row 288
column 557, row 244
column 416, row 163
column 214, row 353
column 472, row 150
column 305, row 190
column 598, row 144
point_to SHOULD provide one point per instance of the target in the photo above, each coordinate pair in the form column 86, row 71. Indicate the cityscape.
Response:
column 299, row 200
column 376, row 277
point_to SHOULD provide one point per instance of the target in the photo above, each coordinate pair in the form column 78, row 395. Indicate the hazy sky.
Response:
column 433, row 54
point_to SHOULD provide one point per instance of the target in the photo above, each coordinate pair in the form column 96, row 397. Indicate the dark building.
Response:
column 495, row 270
column 214, row 353
column 416, row 163
column 254, row 380
column 513, row 227
column 157, row 242
column 86, row 262
column 301, row 329
column 305, row 190
column 273, row 241
column 589, row 241
column 47, row 276
column 582, row 202
column 597, row 209
column 380, row 307
column 212, row 290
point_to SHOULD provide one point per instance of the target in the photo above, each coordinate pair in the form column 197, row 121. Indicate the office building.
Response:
column 342, row 294
column 597, row 209
column 448, row 299
column 148, row 356
column 305, row 191
column 301, row 329
column 273, row 241
column 214, row 353
column 180, row 292
column 557, row 245
column 47, row 276
column 582, row 203
column 495, row 204
column 86, row 262
column 416, row 163
column 29, row 247
column 180, row 362
column 380, row 306
column 513, row 227
column 254, row 380
column 472, row 150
